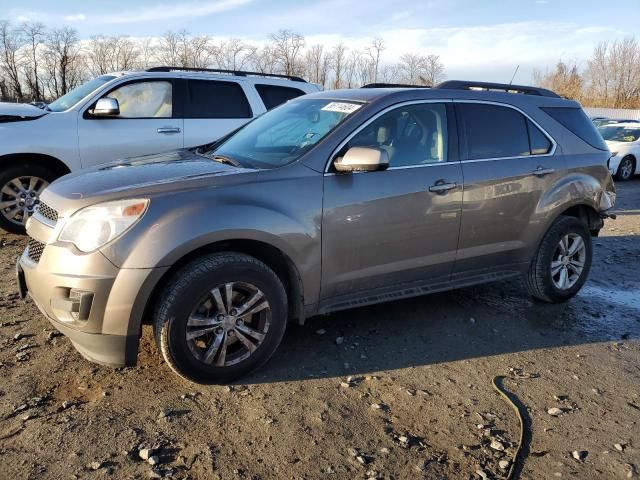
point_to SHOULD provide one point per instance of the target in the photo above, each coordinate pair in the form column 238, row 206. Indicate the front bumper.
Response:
column 97, row 305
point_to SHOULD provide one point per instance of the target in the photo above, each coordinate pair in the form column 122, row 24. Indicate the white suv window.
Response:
column 144, row 99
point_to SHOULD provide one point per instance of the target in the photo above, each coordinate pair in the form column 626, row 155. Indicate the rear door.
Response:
column 399, row 226
column 212, row 108
column 508, row 163
column 149, row 122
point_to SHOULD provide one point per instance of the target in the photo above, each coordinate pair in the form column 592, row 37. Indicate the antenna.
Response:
column 514, row 74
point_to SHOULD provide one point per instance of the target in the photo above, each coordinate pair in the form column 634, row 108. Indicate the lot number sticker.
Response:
column 341, row 107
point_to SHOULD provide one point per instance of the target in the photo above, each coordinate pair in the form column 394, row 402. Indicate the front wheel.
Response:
column 562, row 263
column 20, row 189
column 220, row 317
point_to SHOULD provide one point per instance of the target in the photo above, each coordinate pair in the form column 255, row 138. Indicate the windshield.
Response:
column 284, row 134
column 67, row 101
column 617, row 133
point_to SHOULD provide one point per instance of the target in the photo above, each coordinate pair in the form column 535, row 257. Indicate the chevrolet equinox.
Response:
column 330, row 201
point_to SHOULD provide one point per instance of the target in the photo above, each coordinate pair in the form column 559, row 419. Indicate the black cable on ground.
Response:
column 497, row 382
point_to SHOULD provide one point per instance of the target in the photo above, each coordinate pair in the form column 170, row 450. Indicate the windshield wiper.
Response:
column 227, row 160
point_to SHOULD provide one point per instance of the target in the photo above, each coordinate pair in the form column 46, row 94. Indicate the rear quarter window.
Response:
column 577, row 122
column 274, row 95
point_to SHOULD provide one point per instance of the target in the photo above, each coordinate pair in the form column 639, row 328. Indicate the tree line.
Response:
column 609, row 78
column 40, row 64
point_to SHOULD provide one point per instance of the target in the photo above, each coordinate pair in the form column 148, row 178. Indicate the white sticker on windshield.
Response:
column 341, row 107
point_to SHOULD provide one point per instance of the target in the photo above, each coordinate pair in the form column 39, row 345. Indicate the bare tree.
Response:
column 264, row 60
column 433, row 72
column 338, row 61
column 168, row 51
column 316, row 65
column 11, row 42
column 613, row 74
column 147, row 53
column 287, row 46
column 63, row 61
column 200, row 52
column 564, row 79
column 420, row 69
column 34, row 35
column 234, row 54
column 375, row 49
column 352, row 66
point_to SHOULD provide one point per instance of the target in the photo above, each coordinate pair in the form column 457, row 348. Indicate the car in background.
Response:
column 623, row 139
column 600, row 121
column 121, row 115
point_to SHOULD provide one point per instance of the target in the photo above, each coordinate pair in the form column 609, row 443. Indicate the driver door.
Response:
column 387, row 230
column 148, row 123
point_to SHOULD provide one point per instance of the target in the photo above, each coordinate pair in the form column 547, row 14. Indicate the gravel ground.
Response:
column 401, row 390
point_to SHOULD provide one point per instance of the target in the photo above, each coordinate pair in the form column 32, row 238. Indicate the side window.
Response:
column 214, row 99
column 411, row 135
column 493, row 131
column 274, row 95
column 540, row 144
column 144, row 99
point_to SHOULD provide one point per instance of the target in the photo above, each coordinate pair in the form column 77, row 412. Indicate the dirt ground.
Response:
column 406, row 393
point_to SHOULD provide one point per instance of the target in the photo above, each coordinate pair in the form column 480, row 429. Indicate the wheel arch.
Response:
column 271, row 256
column 46, row 161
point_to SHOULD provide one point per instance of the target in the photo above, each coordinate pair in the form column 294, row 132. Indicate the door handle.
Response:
column 542, row 171
column 169, row 130
column 440, row 187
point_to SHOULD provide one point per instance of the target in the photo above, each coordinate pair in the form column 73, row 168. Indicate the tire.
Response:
column 626, row 169
column 12, row 215
column 188, row 304
column 540, row 279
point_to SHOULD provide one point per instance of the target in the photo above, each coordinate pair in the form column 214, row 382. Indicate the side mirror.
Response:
column 362, row 159
column 106, row 107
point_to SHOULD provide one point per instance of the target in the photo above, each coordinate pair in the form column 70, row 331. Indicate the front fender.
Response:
column 284, row 214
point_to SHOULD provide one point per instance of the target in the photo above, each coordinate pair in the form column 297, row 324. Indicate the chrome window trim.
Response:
column 554, row 144
column 373, row 119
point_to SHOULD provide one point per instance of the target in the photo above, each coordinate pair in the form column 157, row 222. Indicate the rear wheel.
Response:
column 626, row 168
column 220, row 317
column 20, row 189
column 562, row 263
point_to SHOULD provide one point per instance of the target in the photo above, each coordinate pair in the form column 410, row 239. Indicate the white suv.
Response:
column 122, row 115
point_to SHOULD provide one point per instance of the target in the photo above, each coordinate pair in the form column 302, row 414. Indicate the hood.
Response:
column 16, row 112
column 614, row 146
column 138, row 176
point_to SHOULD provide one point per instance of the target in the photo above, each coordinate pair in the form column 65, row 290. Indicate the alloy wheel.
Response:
column 229, row 324
column 568, row 261
column 626, row 169
column 19, row 197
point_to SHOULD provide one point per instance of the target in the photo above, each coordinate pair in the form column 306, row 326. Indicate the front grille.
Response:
column 47, row 212
column 35, row 249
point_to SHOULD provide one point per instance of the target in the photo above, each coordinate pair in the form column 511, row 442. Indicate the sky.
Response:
column 483, row 40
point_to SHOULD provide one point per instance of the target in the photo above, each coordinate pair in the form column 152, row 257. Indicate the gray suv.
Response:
column 330, row 201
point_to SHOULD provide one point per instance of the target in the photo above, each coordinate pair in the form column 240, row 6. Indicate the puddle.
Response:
column 629, row 298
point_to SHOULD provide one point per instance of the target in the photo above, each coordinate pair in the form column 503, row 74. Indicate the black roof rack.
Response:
column 393, row 85
column 503, row 87
column 239, row 73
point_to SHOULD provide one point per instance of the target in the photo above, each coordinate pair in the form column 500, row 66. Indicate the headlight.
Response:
column 92, row 227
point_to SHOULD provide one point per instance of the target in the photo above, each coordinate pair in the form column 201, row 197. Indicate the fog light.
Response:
column 77, row 303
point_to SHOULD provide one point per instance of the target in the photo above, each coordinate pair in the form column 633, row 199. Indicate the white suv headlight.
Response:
column 92, row 227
